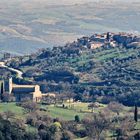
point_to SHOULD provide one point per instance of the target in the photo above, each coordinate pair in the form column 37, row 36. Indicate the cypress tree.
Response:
column 108, row 36
column 136, row 113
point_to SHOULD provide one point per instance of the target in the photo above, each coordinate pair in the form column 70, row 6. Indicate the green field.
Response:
column 65, row 114
column 11, row 107
column 53, row 111
column 80, row 109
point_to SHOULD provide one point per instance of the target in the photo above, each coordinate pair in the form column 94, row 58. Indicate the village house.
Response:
column 94, row 45
column 7, row 56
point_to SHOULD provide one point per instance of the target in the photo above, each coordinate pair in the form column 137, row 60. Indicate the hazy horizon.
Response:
column 67, row 2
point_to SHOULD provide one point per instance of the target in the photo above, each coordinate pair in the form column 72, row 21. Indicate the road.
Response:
column 18, row 72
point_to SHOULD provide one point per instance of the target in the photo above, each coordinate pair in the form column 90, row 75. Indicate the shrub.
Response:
column 77, row 118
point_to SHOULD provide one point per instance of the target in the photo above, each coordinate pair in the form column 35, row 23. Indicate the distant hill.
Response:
column 34, row 24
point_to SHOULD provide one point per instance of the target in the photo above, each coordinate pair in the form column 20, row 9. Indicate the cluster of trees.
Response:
column 94, row 126
column 4, row 73
column 13, row 129
column 43, row 126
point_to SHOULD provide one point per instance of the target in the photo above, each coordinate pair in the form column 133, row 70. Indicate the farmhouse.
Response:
column 49, row 95
column 20, row 92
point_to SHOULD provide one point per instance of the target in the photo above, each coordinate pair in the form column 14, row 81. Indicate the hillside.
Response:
column 107, row 66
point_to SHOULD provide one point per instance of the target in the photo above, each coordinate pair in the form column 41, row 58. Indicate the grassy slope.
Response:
column 104, row 56
column 54, row 112
column 11, row 107
column 64, row 113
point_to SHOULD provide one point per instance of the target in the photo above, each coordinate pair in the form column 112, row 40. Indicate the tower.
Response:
column 8, row 85
column 108, row 36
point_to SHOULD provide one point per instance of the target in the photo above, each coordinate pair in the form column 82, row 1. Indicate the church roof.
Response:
column 23, row 88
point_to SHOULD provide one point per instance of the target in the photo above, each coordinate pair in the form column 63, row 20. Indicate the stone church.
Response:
column 20, row 92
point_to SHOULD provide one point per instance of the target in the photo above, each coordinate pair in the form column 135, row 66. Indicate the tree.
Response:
column 137, row 136
column 6, row 97
column 93, row 105
column 56, row 126
column 77, row 118
column 115, row 107
column 61, row 97
column 45, row 135
column 96, row 125
column 10, row 130
column 136, row 113
column 68, row 91
column 8, row 115
column 123, row 128
column 67, row 135
column 78, row 97
column 29, row 106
